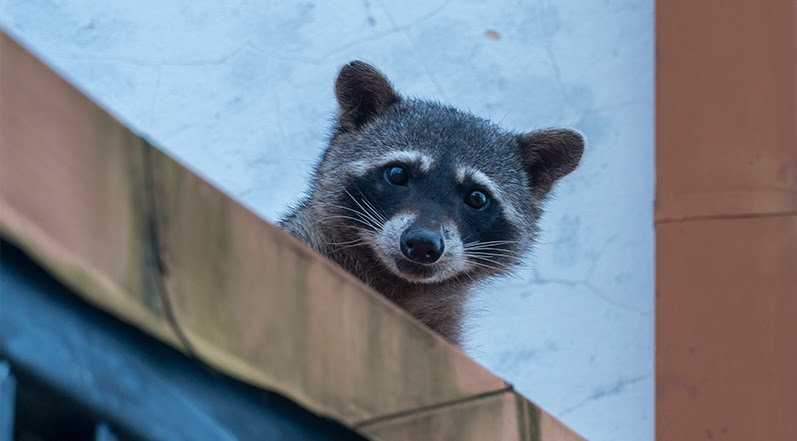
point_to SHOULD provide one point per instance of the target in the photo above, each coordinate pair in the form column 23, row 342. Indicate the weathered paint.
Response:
column 79, row 366
column 504, row 415
column 70, row 189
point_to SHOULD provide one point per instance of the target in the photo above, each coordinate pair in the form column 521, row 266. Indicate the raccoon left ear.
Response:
column 363, row 93
column 549, row 155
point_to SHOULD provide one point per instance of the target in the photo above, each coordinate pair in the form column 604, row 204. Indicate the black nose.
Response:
column 421, row 245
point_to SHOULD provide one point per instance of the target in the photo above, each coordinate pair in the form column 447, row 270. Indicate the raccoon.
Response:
column 421, row 201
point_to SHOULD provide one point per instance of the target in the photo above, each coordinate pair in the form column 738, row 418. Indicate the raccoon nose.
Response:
column 421, row 245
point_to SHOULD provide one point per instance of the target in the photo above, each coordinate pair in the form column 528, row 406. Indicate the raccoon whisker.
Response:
column 373, row 223
column 477, row 254
column 487, row 259
column 500, row 269
column 465, row 274
column 489, row 250
column 338, row 216
column 507, row 253
column 372, row 214
column 491, row 242
column 373, row 220
column 492, row 256
column 341, row 248
column 487, row 246
column 364, row 210
column 362, row 230
column 507, row 258
column 363, row 214
column 487, row 266
column 356, row 219
column 343, row 207
column 491, row 247
column 379, row 214
column 494, row 265
column 344, row 243
column 341, row 216
column 494, row 252
column 376, row 212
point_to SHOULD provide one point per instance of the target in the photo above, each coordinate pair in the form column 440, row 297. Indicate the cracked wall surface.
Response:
column 242, row 93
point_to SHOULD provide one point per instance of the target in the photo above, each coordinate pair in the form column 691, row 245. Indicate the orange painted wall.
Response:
column 726, row 220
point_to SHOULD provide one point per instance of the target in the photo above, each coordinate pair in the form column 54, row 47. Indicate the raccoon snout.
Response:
column 422, row 246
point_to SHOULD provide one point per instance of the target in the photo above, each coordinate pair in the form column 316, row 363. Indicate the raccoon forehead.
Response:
column 361, row 166
column 466, row 172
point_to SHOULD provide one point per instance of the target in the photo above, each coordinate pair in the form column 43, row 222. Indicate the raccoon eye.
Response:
column 397, row 175
column 477, row 200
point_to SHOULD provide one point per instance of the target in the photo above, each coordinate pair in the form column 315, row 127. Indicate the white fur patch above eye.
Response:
column 422, row 161
column 464, row 172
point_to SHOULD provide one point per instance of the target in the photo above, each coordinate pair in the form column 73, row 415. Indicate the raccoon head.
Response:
column 431, row 193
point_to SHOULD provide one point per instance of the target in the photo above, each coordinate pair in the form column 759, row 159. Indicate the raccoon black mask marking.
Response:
column 421, row 201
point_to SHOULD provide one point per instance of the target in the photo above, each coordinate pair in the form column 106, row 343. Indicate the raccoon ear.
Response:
column 549, row 155
column 363, row 93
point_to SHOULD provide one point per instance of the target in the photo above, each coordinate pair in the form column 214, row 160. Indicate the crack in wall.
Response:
column 603, row 392
column 587, row 283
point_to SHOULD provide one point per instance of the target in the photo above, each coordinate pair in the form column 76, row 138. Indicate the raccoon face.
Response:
column 427, row 221
column 431, row 193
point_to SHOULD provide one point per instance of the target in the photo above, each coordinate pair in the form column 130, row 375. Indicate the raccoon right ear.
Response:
column 363, row 93
column 549, row 155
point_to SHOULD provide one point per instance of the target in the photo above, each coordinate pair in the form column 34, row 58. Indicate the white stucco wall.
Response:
column 241, row 91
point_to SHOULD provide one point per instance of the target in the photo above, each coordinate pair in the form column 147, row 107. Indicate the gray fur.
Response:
column 373, row 121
